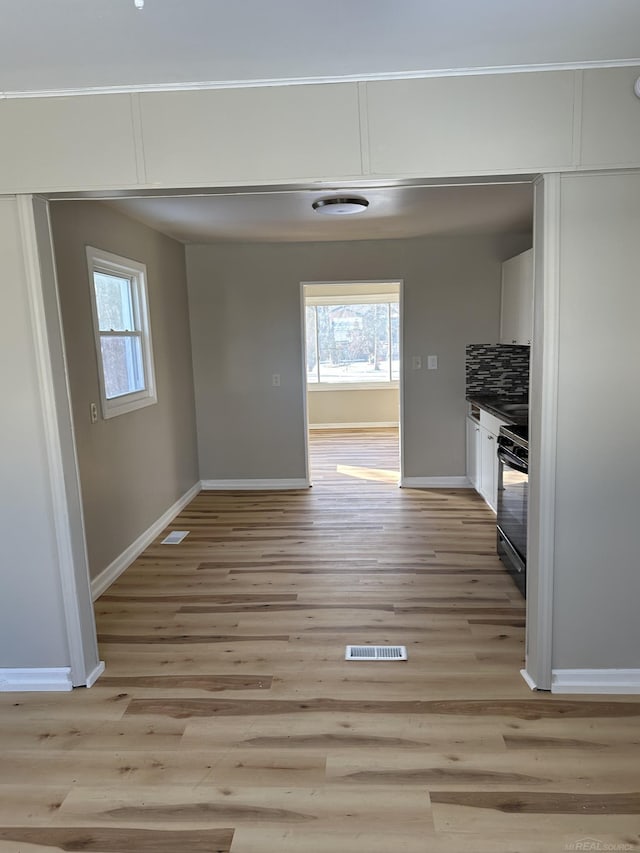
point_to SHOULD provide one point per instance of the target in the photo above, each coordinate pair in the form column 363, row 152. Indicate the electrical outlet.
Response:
column 416, row 362
column 94, row 413
column 275, row 380
column 432, row 362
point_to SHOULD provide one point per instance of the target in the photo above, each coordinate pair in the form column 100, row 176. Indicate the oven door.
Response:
column 513, row 505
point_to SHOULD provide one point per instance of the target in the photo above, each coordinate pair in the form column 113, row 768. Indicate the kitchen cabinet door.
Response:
column 488, row 486
column 516, row 315
column 473, row 452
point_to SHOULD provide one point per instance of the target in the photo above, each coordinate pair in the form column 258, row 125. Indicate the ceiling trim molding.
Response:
column 309, row 81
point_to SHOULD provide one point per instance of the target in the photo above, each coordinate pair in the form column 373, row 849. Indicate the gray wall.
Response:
column 246, row 325
column 597, row 532
column 135, row 466
column 31, row 591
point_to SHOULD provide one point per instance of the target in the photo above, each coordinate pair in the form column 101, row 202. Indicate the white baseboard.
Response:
column 253, row 485
column 530, row 682
column 95, row 675
column 595, row 681
column 435, row 483
column 27, row 680
column 113, row 571
column 371, row 425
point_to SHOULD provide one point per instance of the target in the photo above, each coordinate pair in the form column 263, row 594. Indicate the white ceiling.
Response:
column 68, row 44
column 287, row 216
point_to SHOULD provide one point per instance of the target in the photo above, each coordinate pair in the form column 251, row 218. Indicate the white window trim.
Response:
column 101, row 261
column 376, row 298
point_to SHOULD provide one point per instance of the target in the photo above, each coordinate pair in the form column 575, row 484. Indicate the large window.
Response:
column 353, row 340
column 122, row 331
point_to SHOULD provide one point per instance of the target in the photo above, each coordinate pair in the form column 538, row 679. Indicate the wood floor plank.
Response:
column 116, row 840
column 210, row 683
column 201, row 600
column 346, row 733
column 513, row 772
column 323, row 809
column 411, row 840
column 558, row 830
column 186, row 639
column 535, row 802
column 524, row 709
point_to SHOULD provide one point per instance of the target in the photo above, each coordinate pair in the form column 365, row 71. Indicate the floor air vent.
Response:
column 376, row 653
column 175, row 537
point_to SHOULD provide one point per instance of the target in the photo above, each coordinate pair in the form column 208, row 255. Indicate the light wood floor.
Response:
column 227, row 719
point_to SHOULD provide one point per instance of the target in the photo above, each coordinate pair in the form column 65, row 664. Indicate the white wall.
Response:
column 597, row 529
column 246, row 325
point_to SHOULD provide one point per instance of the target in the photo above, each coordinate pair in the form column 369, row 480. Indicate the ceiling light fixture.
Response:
column 139, row 4
column 340, row 205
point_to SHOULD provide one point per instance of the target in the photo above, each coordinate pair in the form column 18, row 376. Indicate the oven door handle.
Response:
column 512, row 461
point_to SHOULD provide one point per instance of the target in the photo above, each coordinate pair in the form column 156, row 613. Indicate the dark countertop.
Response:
column 512, row 409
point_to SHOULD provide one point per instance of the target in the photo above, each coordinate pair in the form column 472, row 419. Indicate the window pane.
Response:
column 354, row 342
column 114, row 303
column 395, row 340
column 312, row 355
column 122, row 365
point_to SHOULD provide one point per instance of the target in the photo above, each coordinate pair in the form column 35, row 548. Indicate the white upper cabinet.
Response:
column 516, row 315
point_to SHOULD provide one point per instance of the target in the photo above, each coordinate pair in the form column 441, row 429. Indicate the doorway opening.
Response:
column 352, row 374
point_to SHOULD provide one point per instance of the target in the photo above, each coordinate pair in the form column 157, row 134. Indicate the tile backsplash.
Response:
column 500, row 369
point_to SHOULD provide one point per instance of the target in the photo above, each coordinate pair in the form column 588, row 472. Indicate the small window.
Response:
column 122, row 332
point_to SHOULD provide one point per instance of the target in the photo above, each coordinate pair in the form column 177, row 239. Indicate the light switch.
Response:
column 275, row 380
column 93, row 409
column 416, row 362
column 432, row 362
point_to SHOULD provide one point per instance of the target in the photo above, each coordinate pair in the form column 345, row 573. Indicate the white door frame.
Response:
column 543, row 426
column 305, row 389
column 64, row 478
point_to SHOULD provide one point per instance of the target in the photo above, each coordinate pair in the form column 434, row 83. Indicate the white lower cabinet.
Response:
column 473, row 452
column 488, row 485
column 482, row 456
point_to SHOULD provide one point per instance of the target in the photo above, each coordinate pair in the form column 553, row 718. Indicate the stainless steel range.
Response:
column 513, row 501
